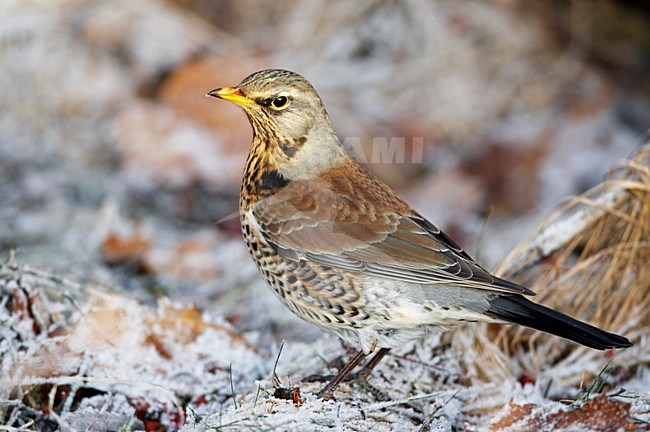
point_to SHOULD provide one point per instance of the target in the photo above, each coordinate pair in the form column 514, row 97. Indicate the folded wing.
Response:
column 341, row 224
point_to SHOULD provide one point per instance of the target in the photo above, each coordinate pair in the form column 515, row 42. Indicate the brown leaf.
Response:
column 185, row 87
column 515, row 414
column 22, row 309
column 185, row 324
column 189, row 259
column 117, row 249
column 598, row 414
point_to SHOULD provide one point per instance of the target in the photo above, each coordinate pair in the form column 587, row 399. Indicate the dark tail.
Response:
column 519, row 310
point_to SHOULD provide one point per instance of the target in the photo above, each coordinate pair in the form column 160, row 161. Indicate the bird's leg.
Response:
column 357, row 376
column 363, row 374
column 328, row 390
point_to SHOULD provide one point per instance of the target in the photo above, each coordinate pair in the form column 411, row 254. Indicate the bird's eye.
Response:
column 280, row 102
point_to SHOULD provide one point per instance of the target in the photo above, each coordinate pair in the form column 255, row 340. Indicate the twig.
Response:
column 23, row 428
column 257, row 394
column 430, row 417
column 232, row 387
column 479, row 242
column 64, row 424
column 274, row 376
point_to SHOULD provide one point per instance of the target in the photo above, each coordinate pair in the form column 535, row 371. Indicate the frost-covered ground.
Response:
column 80, row 357
column 131, row 302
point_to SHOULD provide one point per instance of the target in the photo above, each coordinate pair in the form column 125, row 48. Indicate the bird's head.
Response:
column 288, row 120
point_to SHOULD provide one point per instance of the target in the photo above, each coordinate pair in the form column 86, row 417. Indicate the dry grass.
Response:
column 590, row 260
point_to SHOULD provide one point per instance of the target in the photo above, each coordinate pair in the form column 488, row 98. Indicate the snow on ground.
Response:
column 99, row 360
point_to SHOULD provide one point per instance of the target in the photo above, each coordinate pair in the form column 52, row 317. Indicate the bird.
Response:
column 341, row 250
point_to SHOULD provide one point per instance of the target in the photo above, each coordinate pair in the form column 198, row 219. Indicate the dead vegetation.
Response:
column 590, row 260
column 594, row 268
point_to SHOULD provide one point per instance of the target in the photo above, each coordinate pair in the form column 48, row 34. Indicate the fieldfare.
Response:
column 342, row 251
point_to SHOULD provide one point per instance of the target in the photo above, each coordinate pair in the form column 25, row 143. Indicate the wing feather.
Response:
column 339, row 225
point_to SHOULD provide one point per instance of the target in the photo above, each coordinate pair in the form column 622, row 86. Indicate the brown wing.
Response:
column 362, row 226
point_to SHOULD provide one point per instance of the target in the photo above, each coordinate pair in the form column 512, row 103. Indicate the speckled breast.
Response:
column 321, row 296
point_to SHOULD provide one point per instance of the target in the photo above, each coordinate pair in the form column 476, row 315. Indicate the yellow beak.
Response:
column 232, row 94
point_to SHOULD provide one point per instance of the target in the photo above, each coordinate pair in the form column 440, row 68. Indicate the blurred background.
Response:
column 115, row 167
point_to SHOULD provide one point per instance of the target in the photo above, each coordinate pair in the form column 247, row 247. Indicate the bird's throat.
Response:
column 261, row 175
